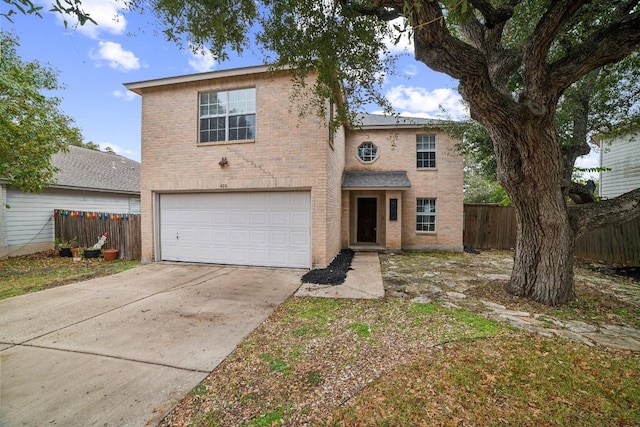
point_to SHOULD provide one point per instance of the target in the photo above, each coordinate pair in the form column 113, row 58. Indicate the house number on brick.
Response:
column 224, row 186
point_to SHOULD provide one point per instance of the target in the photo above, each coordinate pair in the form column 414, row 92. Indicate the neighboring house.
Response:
column 622, row 156
column 87, row 180
column 232, row 174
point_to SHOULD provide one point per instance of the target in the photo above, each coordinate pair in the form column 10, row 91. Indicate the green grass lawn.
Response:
column 21, row 275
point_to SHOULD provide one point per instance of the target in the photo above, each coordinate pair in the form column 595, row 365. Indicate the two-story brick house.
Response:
column 232, row 174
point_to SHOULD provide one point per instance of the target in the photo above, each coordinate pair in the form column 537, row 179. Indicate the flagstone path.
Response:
column 474, row 281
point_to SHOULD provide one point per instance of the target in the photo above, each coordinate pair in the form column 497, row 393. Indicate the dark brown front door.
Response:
column 367, row 220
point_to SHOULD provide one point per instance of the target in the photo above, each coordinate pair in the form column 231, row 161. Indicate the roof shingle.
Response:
column 96, row 170
column 375, row 179
column 379, row 120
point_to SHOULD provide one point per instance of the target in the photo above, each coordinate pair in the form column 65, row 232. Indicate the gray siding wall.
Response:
column 622, row 156
column 134, row 205
column 29, row 217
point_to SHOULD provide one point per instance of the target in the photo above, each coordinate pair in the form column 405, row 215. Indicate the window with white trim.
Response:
column 425, row 151
column 426, row 215
column 367, row 151
column 228, row 115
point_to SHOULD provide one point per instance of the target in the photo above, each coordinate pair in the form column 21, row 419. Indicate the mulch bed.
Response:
column 335, row 273
column 630, row 272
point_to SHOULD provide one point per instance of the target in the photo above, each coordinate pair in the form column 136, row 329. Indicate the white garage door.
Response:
column 262, row 229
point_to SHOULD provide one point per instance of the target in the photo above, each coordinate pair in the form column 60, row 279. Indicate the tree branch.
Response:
column 580, row 96
column 582, row 193
column 607, row 45
column 438, row 49
column 537, row 48
column 501, row 62
column 594, row 215
column 494, row 16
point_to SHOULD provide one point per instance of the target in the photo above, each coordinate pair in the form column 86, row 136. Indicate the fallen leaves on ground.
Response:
column 44, row 270
column 313, row 356
column 392, row 362
column 524, row 380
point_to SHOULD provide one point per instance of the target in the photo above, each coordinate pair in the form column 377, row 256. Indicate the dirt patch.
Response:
column 632, row 273
column 335, row 273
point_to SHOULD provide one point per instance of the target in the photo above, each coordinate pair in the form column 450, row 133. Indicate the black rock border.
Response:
column 335, row 273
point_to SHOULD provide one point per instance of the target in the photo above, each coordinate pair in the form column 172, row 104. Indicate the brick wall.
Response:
column 288, row 152
column 334, row 170
column 397, row 151
column 291, row 153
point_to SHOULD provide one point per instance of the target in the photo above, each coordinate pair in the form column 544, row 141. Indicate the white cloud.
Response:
column 405, row 43
column 590, row 161
column 116, row 57
column 202, row 61
column 127, row 95
column 420, row 102
column 411, row 70
column 107, row 14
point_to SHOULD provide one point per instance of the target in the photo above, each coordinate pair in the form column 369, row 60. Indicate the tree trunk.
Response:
column 530, row 169
column 543, row 263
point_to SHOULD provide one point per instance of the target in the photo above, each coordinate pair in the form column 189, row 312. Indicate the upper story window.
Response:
column 228, row 115
column 367, row 151
column 426, row 151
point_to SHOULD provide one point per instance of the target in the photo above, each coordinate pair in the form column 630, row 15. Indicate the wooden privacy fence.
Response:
column 489, row 226
column 87, row 227
column 494, row 227
column 616, row 243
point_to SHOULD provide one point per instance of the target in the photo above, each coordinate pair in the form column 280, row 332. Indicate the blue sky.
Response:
column 94, row 62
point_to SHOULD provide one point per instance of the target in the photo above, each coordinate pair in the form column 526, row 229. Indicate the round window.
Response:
column 367, row 151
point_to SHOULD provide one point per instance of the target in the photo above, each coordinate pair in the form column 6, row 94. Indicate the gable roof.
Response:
column 83, row 168
column 382, row 121
column 138, row 87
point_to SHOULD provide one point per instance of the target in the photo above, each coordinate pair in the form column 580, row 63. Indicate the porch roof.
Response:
column 375, row 179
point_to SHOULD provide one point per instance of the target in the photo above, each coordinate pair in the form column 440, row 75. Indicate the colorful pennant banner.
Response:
column 98, row 215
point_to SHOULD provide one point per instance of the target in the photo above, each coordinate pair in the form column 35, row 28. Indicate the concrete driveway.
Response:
column 122, row 350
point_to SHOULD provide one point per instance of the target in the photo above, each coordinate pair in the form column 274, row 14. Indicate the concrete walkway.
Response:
column 364, row 281
column 122, row 350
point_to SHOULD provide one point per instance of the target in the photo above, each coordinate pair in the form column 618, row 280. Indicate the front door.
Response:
column 367, row 220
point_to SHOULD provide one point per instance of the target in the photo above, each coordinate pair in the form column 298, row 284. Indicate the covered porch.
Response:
column 372, row 209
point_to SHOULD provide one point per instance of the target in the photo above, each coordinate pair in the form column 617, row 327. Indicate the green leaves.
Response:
column 32, row 128
column 343, row 47
column 71, row 8
column 66, row 8
column 26, row 7
column 218, row 25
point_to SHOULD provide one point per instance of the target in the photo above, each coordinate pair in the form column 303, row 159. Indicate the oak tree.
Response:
column 514, row 60
column 32, row 127
column 603, row 104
